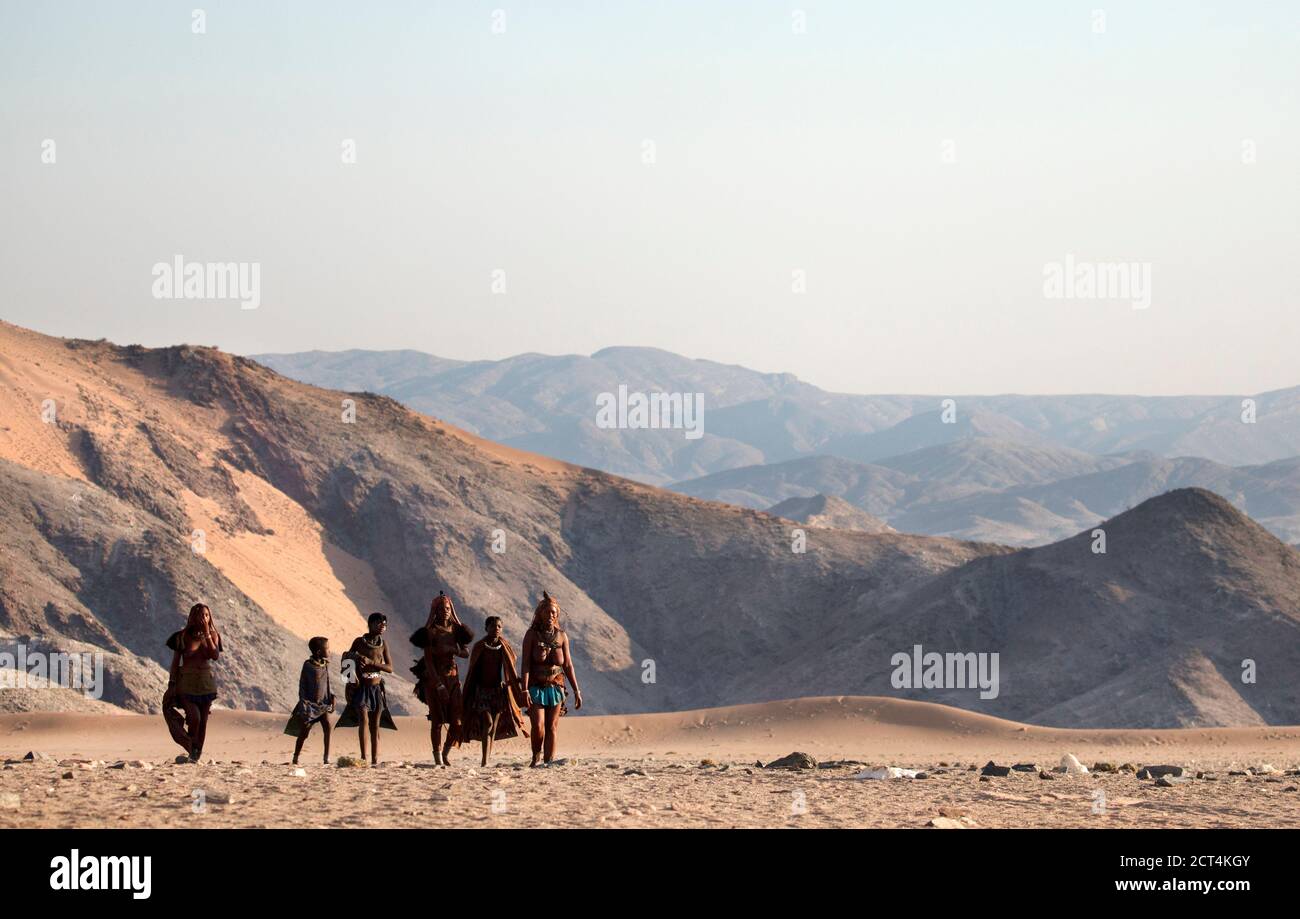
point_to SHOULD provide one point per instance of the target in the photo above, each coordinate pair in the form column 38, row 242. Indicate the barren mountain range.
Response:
column 172, row 475
column 988, row 475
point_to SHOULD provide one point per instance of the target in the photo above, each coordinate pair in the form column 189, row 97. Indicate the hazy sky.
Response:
column 775, row 150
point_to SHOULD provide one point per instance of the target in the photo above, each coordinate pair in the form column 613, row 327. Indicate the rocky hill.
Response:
column 138, row 481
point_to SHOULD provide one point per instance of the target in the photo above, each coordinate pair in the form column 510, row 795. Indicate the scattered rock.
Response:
column 1156, row 772
column 1169, row 781
column 36, row 756
column 1104, row 767
column 1025, row 767
column 707, row 764
column 67, row 775
column 1265, row 769
column 181, row 760
column 1072, row 766
column 1046, row 775
column 1127, row 767
column 946, row 823
column 793, row 761
column 218, row 796
column 887, row 772
column 633, row 771
column 992, row 768
column 350, row 762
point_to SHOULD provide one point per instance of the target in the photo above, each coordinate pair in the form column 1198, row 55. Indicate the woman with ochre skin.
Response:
column 192, row 681
column 445, row 637
column 544, row 664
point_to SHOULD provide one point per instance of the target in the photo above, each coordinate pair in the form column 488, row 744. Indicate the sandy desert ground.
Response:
column 687, row 769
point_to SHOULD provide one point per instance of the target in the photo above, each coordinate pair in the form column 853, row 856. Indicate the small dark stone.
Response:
column 1169, row 781
column 992, row 768
column 1046, row 775
column 1156, row 772
column 794, row 761
column 1025, row 767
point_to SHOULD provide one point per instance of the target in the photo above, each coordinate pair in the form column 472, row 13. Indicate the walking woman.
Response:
column 545, row 663
column 192, row 683
column 444, row 639
column 367, row 703
column 493, row 693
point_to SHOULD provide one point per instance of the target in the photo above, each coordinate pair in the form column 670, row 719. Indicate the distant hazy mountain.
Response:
column 893, row 485
column 824, row 511
column 356, row 371
column 991, row 491
column 547, row 404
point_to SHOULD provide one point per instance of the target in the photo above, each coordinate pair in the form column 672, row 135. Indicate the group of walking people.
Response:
column 499, row 688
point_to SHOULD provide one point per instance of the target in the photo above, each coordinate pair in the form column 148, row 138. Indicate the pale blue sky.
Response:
column 776, row 151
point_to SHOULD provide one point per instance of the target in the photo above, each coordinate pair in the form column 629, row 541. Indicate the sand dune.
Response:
column 308, row 585
column 679, row 769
